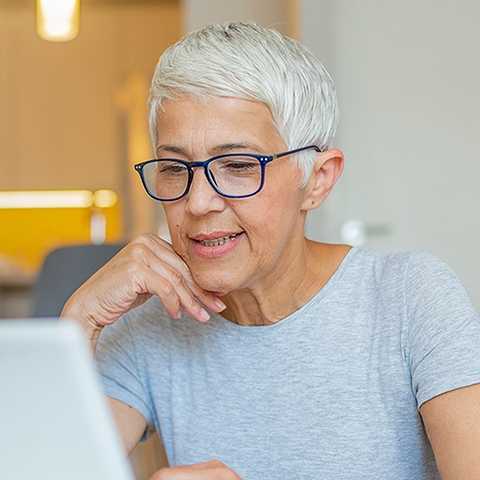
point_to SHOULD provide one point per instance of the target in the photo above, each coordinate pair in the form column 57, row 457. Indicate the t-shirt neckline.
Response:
column 322, row 293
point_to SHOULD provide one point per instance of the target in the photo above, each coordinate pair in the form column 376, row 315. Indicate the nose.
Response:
column 202, row 198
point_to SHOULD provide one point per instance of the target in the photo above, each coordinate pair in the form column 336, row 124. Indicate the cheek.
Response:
column 281, row 197
column 269, row 219
column 174, row 216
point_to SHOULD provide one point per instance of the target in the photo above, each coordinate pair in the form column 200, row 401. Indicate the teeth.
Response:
column 216, row 242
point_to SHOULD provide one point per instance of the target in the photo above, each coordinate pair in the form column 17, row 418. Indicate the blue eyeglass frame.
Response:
column 262, row 159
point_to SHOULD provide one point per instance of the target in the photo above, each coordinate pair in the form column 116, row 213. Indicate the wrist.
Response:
column 75, row 311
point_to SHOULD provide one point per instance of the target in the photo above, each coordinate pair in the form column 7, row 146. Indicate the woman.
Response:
column 255, row 352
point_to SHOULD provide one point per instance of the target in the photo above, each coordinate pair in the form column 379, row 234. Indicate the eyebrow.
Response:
column 224, row 147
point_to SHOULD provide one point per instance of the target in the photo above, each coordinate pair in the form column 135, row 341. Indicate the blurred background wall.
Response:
column 407, row 76
column 279, row 14
column 73, row 119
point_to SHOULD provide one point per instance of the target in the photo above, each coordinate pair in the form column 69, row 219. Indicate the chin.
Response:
column 217, row 282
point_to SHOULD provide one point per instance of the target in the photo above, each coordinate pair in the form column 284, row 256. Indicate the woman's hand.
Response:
column 147, row 266
column 211, row 470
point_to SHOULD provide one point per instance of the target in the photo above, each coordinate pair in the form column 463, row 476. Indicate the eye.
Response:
column 171, row 169
column 242, row 165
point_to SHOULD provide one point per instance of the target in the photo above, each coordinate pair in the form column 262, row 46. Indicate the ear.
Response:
column 327, row 169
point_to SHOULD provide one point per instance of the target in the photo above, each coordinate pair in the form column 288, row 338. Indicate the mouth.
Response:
column 216, row 243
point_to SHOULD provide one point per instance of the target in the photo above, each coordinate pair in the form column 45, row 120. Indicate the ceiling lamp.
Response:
column 58, row 20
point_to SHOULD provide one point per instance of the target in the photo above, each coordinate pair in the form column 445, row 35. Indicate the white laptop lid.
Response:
column 54, row 420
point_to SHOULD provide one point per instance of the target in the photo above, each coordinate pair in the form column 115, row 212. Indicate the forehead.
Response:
column 217, row 120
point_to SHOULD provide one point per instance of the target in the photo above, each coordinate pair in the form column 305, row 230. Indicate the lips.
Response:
column 215, row 244
column 215, row 235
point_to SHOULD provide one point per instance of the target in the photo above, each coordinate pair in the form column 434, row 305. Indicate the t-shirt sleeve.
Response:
column 116, row 360
column 443, row 329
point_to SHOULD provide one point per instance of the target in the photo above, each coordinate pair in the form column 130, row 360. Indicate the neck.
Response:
column 297, row 278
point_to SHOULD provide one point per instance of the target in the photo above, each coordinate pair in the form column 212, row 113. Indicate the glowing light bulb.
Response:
column 58, row 20
column 104, row 198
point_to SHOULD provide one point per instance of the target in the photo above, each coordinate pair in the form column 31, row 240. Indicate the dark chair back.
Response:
column 63, row 271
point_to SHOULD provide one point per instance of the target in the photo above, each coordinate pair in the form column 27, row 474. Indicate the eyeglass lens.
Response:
column 234, row 176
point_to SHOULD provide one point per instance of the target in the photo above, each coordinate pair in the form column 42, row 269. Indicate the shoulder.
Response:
column 415, row 275
column 436, row 303
column 425, row 267
column 430, row 281
column 377, row 267
column 413, row 266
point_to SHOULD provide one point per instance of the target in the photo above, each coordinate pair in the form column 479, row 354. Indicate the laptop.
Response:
column 54, row 419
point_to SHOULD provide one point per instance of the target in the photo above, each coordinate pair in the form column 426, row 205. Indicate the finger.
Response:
column 187, row 299
column 161, row 287
column 214, row 468
column 163, row 250
column 208, row 299
column 207, row 465
column 198, row 472
column 191, row 295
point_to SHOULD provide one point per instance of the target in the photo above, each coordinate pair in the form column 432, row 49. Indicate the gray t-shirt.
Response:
column 330, row 392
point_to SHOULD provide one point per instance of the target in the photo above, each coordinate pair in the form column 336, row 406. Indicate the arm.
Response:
column 147, row 266
column 442, row 350
column 452, row 423
column 130, row 423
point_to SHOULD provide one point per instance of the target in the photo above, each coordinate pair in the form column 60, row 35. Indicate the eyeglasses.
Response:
column 235, row 175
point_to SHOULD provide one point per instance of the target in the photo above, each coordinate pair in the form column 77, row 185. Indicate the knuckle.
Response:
column 177, row 277
column 168, row 289
column 176, row 302
column 134, row 270
column 144, row 237
column 191, row 284
column 192, row 304
column 138, row 251
column 151, row 237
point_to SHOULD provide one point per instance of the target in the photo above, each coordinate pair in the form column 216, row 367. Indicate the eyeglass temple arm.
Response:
column 291, row 152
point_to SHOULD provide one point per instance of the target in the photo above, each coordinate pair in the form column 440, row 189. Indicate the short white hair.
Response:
column 246, row 60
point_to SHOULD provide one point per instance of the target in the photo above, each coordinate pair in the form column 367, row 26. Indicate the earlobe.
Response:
column 327, row 169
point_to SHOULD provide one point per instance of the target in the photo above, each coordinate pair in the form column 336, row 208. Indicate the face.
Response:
column 265, row 228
